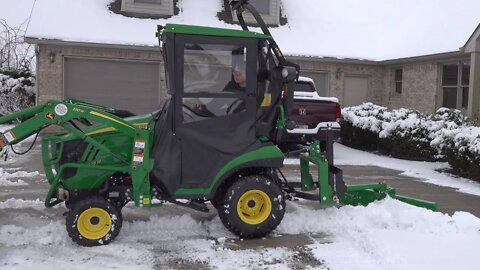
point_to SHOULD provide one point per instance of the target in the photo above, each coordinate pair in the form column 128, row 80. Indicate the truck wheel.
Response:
column 253, row 206
column 93, row 222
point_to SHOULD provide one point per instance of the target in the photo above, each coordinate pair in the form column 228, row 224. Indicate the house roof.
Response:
column 374, row 29
column 473, row 43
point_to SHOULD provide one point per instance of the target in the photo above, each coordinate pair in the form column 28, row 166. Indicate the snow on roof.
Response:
column 374, row 29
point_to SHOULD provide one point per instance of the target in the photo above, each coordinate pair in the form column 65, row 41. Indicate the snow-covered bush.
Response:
column 17, row 91
column 403, row 133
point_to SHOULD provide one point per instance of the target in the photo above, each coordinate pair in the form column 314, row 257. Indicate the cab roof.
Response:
column 212, row 31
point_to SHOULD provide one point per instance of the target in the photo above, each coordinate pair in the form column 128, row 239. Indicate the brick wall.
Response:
column 419, row 92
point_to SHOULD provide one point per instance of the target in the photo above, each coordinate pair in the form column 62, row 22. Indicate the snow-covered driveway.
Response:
column 385, row 235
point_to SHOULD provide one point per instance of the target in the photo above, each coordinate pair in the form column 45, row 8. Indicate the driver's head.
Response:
column 239, row 75
column 238, row 66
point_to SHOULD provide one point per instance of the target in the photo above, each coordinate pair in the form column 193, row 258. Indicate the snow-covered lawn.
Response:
column 385, row 235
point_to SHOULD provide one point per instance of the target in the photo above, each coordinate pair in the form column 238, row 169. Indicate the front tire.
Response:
column 253, row 206
column 93, row 221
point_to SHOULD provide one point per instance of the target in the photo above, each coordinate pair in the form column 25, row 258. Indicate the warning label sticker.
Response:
column 138, row 158
column 139, row 144
column 61, row 109
column 9, row 136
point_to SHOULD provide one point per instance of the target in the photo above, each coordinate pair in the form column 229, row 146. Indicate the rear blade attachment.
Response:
column 332, row 188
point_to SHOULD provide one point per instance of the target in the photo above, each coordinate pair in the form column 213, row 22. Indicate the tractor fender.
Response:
column 268, row 156
column 244, row 169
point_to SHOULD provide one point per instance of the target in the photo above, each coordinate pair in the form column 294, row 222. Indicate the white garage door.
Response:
column 126, row 85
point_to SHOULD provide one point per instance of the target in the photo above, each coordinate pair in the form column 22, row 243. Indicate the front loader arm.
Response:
column 9, row 136
column 60, row 113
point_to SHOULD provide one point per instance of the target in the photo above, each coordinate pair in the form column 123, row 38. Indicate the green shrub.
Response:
column 358, row 138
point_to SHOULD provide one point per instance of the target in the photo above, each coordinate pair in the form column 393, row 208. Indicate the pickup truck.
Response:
column 312, row 114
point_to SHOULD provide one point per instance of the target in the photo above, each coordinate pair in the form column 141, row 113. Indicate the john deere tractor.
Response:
column 213, row 139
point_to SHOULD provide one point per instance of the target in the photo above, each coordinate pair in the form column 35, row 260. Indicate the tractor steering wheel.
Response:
column 237, row 106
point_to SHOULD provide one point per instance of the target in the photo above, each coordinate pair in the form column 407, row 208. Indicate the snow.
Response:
column 444, row 129
column 8, row 83
column 384, row 235
column 387, row 234
column 428, row 171
column 374, row 29
column 16, row 94
column 301, row 95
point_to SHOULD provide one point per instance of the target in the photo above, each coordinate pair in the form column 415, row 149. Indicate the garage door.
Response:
column 355, row 91
column 127, row 85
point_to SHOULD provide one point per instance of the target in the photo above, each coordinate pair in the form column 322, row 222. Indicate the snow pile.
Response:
column 5, row 177
column 17, row 91
column 389, row 235
column 13, row 203
column 384, row 235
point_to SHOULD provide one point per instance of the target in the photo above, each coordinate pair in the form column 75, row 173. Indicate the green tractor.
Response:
column 213, row 139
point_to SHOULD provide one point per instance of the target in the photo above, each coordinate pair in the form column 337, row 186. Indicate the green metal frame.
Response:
column 120, row 159
column 212, row 31
column 361, row 194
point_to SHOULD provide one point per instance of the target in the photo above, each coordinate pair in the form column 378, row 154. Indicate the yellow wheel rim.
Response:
column 254, row 207
column 94, row 223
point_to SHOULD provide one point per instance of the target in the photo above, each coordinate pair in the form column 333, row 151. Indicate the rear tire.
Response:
column 252, row 207
column 93, row 221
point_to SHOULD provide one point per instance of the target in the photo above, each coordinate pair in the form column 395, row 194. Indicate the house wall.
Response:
column 337, row 73
column 474, row 87
column 419, row 87
column 421, row 80
column 50, row 73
